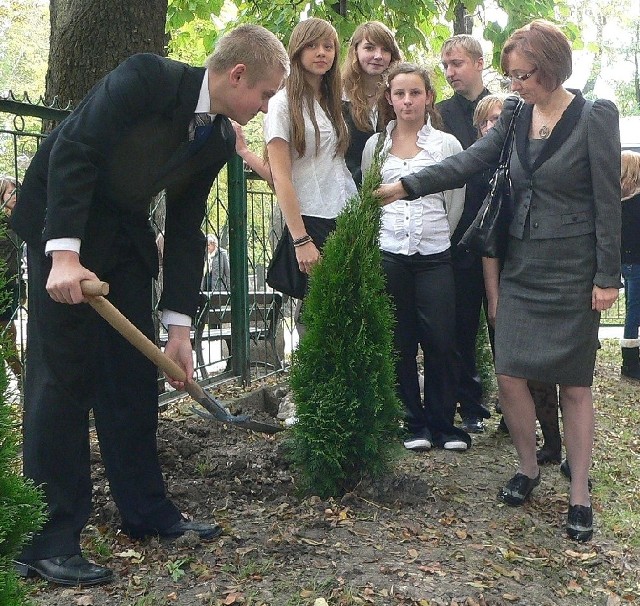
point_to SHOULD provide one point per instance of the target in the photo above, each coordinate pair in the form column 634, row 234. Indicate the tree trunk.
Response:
column 91, row 37
column 462, row 22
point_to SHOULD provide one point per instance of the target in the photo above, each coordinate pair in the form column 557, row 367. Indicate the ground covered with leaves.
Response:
column 431, row 533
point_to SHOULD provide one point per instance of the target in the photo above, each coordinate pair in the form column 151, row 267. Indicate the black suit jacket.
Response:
column 457, row 115
column 94, row 176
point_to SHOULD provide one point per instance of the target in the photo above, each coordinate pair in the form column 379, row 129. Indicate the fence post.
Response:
column 239, row 269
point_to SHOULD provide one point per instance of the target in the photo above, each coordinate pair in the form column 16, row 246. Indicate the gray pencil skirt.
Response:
column 545, row 327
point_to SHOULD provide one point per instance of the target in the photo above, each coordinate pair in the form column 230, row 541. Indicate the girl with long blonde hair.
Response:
column 306, row 138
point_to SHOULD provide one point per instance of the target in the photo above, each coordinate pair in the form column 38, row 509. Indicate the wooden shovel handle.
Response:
column 94, row 292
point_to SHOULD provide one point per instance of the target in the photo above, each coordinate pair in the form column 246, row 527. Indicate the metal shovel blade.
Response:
column 217, row 412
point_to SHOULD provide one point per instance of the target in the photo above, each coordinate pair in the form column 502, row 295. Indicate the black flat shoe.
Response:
column 580, row 523
column 517, row 490
column 205, row 531
column 65, row 570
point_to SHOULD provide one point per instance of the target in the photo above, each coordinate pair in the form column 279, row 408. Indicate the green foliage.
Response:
column 418, row 25
column 484, row 357
column 342, row 374
column 24, row 42
column 21, row 506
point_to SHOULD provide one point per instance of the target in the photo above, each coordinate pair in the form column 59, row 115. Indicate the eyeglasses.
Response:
column 523, row 77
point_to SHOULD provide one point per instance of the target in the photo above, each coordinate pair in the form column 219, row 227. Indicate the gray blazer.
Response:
column 572, row 189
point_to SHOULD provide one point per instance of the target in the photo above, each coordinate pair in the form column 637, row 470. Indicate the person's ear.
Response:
column 237, row 73
column 388, row 97
column 430, row 97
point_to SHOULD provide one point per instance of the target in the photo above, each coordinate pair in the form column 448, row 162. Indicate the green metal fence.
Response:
column 243, row 330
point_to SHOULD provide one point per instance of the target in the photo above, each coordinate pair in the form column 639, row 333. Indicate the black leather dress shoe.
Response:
column 517, row 490
column 65, row 570
column 205, row 531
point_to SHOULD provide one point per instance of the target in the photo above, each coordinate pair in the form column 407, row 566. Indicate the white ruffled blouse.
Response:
column 423, row 225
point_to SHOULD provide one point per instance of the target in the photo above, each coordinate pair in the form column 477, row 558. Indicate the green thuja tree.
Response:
column 21, row 504
column 342, row 375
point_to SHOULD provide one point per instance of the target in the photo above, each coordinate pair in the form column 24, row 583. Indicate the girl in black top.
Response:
column 372, row 50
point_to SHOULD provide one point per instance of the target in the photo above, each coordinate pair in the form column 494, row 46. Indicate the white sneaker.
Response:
column 417, row 443
column 455, row 445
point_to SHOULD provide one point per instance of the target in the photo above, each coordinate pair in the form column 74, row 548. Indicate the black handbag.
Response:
column 283, row 273
column 487, row 235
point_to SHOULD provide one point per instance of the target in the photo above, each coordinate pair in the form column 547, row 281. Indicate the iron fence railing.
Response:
column 254, row 334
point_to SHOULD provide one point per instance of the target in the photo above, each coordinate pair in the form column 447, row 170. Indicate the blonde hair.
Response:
column 253, row 46
column 467, row 43
column 485, row 107
column 629, row 173
column 386, row 109
column 352, row 74
column 300, row 94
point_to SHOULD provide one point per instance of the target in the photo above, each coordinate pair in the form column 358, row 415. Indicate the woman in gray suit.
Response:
column 563, row 262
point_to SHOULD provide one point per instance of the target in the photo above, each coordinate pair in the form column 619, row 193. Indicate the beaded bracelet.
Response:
column 302, row 241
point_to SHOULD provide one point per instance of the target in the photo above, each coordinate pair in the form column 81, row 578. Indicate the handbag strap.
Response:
column 507, row 146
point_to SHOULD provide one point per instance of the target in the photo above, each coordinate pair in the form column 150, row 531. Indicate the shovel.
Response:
column 95, row 291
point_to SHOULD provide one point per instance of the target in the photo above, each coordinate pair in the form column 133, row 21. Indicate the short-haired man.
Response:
column 150, row 124
column 463, row 63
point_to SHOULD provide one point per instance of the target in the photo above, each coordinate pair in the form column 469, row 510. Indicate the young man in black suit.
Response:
column 83, row 212
column 462, row 62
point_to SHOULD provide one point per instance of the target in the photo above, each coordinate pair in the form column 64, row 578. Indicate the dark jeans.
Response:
column 422, row 291
column 631, row 274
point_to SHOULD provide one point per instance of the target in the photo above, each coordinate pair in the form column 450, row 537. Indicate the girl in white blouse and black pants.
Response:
column 415, row 242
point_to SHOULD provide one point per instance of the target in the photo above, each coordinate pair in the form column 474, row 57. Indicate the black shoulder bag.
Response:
column 488, row 233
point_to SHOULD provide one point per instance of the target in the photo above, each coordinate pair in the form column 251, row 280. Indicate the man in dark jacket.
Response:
column 150, row 124
column 462, row 62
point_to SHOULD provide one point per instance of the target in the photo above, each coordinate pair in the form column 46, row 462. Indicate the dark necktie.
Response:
column 199, row 128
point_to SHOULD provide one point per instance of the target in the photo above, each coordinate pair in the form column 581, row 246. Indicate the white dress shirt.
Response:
column 322, row 181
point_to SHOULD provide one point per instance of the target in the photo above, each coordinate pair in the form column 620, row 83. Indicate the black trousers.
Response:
column 76, row 362
column 422, row 290
column 470, row 298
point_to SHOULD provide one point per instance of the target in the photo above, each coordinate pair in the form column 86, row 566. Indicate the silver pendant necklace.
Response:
column 544, row 132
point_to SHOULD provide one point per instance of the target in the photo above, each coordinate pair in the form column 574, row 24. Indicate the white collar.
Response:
column 429, row 139
column 204, row 102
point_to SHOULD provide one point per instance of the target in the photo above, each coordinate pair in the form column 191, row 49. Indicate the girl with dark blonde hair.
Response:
column 372, row 50
column 630, row 259
column 306, row 138
column 416, row 259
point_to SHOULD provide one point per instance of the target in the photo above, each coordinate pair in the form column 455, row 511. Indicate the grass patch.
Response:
column 616, row 454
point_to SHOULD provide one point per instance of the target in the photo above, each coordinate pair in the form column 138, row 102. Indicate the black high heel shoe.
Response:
column 517, row 490
column 580, row 523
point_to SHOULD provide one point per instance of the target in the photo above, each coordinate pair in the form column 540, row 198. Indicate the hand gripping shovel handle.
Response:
column 94, row 291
